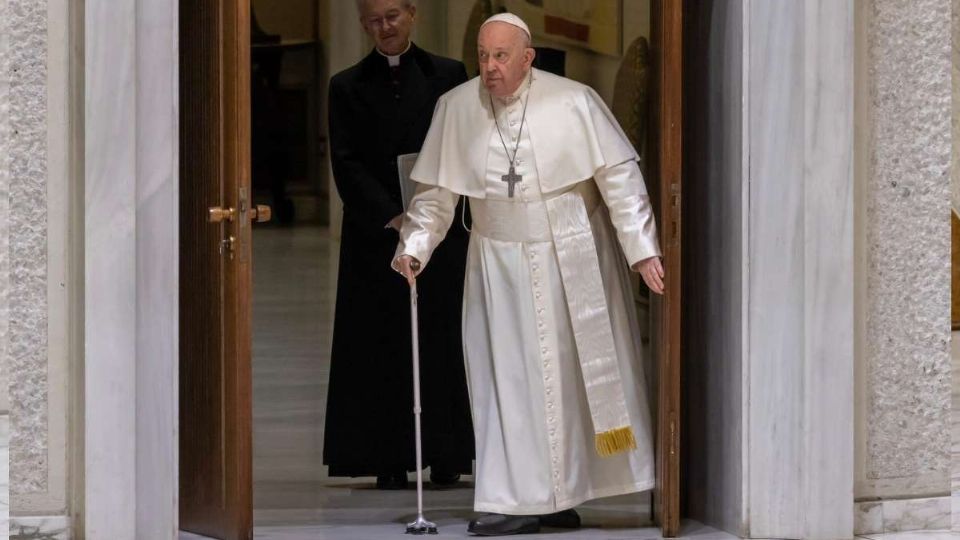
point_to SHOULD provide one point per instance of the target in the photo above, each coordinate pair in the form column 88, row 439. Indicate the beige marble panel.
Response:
column 4, row 476
column 906, row 363
column 25, row 294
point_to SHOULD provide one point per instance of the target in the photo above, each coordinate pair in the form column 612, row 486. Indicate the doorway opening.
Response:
column 294, row 257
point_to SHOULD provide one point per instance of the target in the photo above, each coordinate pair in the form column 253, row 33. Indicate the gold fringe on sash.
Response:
column 615, row 441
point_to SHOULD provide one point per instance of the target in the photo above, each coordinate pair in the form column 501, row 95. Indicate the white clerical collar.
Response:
column 519, row 92
column 394, row 59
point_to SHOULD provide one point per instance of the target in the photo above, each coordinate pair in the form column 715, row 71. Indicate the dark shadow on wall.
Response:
column 712, row 254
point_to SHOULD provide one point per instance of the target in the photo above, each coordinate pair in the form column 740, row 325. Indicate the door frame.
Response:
column 665, row 163
column 126, row 95
column 127, row 89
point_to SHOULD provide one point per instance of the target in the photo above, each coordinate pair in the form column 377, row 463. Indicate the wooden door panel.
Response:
column 665, row 164
column 215, row 387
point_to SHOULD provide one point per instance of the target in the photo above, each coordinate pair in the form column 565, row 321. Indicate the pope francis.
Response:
column 549, row 329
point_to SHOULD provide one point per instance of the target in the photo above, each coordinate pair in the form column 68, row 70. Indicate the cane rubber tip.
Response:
column 421, row 530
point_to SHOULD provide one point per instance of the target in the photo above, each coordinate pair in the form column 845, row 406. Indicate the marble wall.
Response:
column 157, row 276
column 956, row 107
column 25, row 259
column 799, row 269
column 4, row 471
column 955, row 374
column 131, row 266
column 768, row 267
column 4, row 197
column 34, row 194
column 903, row 441
column 4, row 272
column 713, row 251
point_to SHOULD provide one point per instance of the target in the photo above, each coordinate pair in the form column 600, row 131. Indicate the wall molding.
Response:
column 920, row 514
column 40, row 528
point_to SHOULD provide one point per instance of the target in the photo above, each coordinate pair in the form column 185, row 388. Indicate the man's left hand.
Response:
column 395, row 223
column 652, row 272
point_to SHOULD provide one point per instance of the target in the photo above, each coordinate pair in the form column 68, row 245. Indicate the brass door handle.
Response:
column 219, row 214
column 261, row 213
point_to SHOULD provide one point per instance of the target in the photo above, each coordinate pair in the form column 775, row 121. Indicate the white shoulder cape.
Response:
column 573, row 134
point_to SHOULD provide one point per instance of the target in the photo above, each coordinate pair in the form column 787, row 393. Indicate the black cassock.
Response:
column 376, row 113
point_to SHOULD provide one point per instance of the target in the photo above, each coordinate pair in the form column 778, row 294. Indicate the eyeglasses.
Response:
column 391, row 19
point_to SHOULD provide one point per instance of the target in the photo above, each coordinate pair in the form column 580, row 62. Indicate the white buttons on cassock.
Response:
column 547, row 367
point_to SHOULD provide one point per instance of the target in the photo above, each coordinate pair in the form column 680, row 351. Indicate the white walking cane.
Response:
column 421, row 525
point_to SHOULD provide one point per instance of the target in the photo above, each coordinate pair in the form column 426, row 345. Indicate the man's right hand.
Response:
column 409, row 267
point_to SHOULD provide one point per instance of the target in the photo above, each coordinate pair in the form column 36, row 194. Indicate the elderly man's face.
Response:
column 389, row 23
column 505, row 58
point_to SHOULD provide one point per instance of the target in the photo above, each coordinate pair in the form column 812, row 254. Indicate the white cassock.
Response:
column 538, row 300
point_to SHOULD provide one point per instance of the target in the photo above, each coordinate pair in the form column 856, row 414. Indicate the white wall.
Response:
column 131, row 268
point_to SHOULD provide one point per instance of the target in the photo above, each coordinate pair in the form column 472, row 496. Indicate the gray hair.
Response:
column 362, row 3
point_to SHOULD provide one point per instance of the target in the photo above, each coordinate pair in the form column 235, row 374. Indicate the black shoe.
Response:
column 396, row 480
column 442, row 478
column 568, row 519
column 502, row 525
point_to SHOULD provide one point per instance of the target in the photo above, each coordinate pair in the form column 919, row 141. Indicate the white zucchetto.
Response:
column 511, row 19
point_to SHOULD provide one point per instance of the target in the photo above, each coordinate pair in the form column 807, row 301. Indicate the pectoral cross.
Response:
column 511, row 178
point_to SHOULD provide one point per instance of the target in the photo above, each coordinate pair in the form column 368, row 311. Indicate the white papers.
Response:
column 405, row 164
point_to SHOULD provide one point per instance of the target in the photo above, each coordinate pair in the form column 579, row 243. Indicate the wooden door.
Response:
column 215, row 275
column 665, row 154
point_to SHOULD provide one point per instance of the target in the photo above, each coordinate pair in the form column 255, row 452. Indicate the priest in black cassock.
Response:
column 381, row 108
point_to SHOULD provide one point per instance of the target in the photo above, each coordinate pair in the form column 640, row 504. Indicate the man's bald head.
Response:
column 505, row 57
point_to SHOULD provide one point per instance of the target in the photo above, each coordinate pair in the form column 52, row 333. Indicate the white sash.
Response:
column 565, row 220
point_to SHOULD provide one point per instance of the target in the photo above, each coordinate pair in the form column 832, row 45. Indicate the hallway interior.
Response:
column 294, row 276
